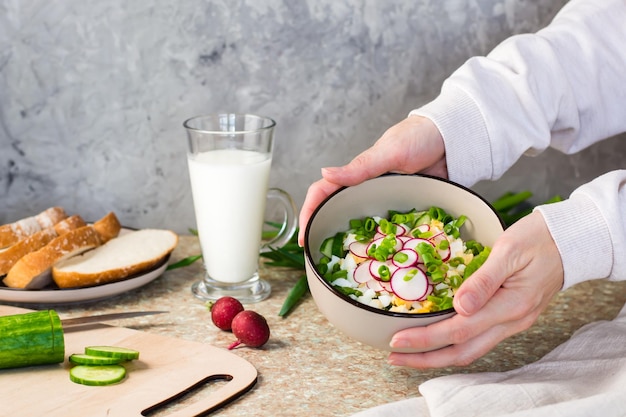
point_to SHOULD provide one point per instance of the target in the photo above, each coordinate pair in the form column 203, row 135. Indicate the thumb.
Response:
column 478, row 289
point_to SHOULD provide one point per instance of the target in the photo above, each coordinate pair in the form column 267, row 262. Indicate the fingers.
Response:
column 453, row 355
column 465, row 338
column 483, row 284
column 413, row 145
column 371, row 163
column 317, row 192
column 503, row 297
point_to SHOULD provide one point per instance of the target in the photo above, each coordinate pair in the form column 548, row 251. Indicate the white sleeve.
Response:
column 589, row 229
column 563, row 87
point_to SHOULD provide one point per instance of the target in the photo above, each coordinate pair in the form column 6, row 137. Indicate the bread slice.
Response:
column 108, row 227
column 12, row 233
column 32, row 271
column 129, row 254
column 70, row 223
column 12, row 254
column 50, row 217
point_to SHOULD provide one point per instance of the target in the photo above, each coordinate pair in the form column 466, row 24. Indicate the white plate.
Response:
column 60, row 296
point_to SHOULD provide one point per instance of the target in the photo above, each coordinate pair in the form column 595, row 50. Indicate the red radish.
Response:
column 428, row 292
column 386, row 286
column 251, row 329
column 379, row 240
column 403, row 239
column 400, row 230
column 375, row 266
column 444, row 253
column 375, row 285
column 362, row 272
column 412, row 258
column 224, row 310
column 436, row 240
column 358, row 249
column 422, row 228
column 412, row 243
column 407, row 287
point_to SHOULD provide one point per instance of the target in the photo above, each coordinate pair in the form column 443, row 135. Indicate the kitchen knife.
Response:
column 98, row 318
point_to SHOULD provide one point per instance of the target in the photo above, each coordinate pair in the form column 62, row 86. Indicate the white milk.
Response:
column 229, row 191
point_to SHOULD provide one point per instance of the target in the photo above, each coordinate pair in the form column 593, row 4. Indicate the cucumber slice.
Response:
column 113, row 352
column 97, row 375
column 327, row 247
column 84, row 359
column 337, row 247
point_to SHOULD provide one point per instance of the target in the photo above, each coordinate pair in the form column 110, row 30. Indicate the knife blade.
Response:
column 98, row 318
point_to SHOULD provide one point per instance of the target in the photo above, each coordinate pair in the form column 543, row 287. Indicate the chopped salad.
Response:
column 408, row 262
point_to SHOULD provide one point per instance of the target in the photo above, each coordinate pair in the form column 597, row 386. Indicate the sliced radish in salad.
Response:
column 405, row 258
column 422, row 228
column 412, row 243
column 386, row 286
column 399, row 230
column 410, row 284
column 436, row 241
column 377, row 267
column 358, row 249
column 375, row 285
column 377, row 242
column 362, row 272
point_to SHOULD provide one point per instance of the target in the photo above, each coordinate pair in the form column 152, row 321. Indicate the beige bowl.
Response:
column 366, row 324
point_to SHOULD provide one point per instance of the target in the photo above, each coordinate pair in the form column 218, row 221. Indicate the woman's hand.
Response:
column 413, row 145
column 503, row 297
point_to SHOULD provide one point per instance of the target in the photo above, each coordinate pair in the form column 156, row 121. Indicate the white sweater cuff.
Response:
column 458, row 118
column 582, row 238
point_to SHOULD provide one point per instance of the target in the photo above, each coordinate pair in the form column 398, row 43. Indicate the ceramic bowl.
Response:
column 366, row 324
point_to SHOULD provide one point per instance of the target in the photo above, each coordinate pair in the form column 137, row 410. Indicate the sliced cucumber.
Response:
column 84, row 359
column 327, row 247
column 337, row 247
column 97, row 375
column 113, row 352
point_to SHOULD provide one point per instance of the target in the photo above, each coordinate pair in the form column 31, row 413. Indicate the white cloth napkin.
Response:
column 585, row 376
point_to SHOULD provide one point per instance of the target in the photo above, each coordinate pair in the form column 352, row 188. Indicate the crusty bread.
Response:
column 108, row 227
column 12, row 254
column 50, row 217
column 119, row 258
column 12, row 233
column 70, row 223
column 32, row 271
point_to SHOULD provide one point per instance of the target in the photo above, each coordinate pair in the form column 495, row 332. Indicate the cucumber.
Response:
column 117, row 352
column 337, row 247
column 31, row 339
column 97, row 375
column 327, row 247
column 84, row 359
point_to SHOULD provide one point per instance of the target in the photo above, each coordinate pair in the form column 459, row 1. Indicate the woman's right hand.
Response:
column 413, row 145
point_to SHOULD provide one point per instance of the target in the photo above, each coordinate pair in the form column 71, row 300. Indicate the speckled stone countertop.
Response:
column 308, row 367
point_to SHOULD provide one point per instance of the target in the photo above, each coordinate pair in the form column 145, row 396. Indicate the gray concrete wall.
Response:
column 93, row 93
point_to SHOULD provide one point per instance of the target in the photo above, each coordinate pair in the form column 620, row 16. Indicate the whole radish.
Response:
column 224, row 310
column 250, row 328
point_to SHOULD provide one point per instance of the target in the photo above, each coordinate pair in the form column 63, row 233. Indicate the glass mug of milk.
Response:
column 229, row 158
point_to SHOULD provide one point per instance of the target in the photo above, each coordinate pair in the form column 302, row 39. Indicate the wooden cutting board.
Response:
column 167, row 367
